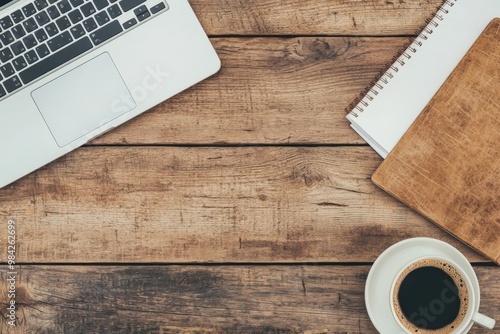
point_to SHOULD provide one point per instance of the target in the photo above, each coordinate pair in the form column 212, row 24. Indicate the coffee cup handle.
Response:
column 484, row 321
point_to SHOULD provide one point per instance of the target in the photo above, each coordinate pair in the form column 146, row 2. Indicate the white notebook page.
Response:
column 384, row 120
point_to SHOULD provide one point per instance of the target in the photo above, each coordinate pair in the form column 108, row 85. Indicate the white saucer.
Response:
column 388, row 264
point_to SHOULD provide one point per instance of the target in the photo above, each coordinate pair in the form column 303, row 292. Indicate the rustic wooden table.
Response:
column 243, row 205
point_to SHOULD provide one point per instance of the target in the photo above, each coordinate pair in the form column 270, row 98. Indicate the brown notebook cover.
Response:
column 447, row 165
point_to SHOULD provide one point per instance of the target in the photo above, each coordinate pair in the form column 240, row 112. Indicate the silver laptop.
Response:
column 71, row 70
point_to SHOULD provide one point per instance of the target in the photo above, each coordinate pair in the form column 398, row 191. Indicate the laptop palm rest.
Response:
column 83, row 99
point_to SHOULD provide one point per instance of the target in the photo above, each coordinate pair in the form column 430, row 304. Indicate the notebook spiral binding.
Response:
column 368, row 94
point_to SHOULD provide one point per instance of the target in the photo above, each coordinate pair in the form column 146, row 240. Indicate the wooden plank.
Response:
column 319, row 17
column 202, row 299
column 243, row 204
column 269, row 90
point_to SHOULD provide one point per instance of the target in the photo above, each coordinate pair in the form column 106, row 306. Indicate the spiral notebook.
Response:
column 388, row 108
column 447, row 165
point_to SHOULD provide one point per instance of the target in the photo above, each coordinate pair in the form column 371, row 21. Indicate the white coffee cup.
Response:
column 472, row 314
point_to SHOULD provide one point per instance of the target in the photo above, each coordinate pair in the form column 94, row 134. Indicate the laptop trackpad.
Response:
column 83, row 99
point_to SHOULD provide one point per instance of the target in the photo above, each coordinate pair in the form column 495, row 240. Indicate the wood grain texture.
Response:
column 319, row 17
column 269, row 90
column 290, row 68
column 203, row 299
column 243, row 204
column 447, row 165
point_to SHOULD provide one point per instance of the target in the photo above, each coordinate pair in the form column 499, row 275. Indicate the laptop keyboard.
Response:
column 46, row 34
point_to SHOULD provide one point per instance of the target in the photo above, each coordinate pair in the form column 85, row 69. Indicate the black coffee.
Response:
column 421, row 297
column 430, row 296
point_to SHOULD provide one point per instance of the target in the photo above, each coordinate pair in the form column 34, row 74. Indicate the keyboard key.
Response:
column 41, row 4
column 155, row 9
column 102, row 34
column 17, row 16
column 30, row 25
column 31, row 57
column 30, row 41
column 42, row 18
column 6, row 22
column 75, row 16
column 63, row 23
column 12, row 84
column 2, row 91
column 51, row 29
column 6, row 55
column 7, row 70
column 114, row 11
column 88, row 9
column 127, row 5
column 29, row 10
column 77, row 31
column 40, row 35
column 53, row 12
column 64, row 6
column 55, row 60
column 130, row 23
column 89, row 24
column 101, row 18
column 76, row 3
column 142, row 13
column 6, row 38
column 59, row 41
column 19, row 63
column 100, row 4
column 18, row 31
column 42, row 51
column 17, row 48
